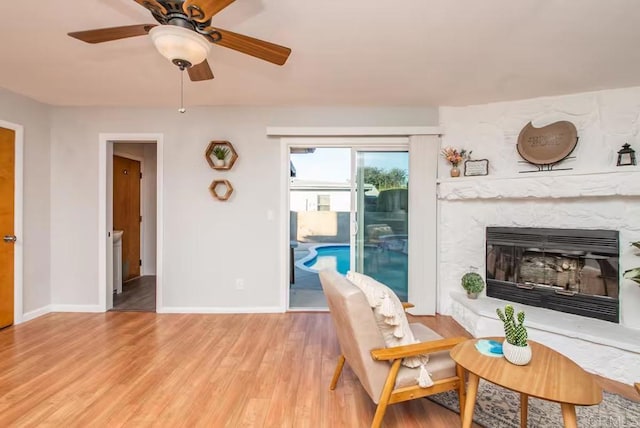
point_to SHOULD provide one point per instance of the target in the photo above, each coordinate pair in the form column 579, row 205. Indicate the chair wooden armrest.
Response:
column 637, row 385
column 358, row 334
column 404, row 351
column 407, row 305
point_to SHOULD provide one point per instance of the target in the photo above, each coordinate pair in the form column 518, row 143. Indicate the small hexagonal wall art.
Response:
column 221, row 155
column 221, row 189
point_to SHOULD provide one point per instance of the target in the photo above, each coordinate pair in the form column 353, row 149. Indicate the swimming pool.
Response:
column 328, row 257
column 390, row 268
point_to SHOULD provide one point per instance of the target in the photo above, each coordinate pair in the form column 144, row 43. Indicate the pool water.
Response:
column 390, row 266
column 331, row 257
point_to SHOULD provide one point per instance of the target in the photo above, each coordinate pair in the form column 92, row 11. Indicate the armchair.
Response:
column 378, row 368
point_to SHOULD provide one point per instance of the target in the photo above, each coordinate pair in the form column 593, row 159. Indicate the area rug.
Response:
column 497, row 407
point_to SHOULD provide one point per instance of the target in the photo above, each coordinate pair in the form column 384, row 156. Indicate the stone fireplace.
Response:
column 469, row 208
column 593, row 195
column 567, row 270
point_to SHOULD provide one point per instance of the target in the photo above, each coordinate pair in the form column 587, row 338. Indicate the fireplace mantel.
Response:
column 623, row 181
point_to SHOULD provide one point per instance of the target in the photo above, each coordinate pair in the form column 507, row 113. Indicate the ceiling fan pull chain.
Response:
column 182, row 109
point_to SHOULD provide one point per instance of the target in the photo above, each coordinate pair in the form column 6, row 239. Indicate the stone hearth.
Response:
column 600, row 347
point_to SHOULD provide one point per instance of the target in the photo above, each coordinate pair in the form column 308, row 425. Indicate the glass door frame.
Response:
column 356, row 241
column 356, row 144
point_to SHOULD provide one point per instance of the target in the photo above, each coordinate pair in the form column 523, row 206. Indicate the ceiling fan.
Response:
column 185, row 35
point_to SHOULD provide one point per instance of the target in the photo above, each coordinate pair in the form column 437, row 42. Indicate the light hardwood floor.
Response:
column 141, row 369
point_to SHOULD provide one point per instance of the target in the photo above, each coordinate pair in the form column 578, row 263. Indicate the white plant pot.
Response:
column 518, row 355
column 218, row 162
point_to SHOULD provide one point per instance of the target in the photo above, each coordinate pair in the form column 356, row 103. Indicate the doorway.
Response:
column 7, row 210
column 348, row 211
column 134, row 225
column 148, row 150
column 11, row 222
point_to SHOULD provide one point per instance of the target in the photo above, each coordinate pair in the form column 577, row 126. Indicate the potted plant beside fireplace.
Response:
column 473, row 283
column 634, row 274
column 515, row 347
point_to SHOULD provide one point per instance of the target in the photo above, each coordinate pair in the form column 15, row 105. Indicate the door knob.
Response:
column 10, row 238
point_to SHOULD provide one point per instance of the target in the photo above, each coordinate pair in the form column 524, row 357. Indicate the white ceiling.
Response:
column 345, row 52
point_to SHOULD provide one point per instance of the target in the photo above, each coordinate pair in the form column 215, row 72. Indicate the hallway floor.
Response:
column 138, row 294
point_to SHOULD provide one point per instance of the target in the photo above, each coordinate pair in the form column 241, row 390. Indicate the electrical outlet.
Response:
column 239, row 284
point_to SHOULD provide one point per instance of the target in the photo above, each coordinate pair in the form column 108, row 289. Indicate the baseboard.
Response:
column 220, row 310
column 28, row 316
column 75, row 308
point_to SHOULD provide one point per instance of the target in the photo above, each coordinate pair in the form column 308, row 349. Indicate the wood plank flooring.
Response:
column 145, row 369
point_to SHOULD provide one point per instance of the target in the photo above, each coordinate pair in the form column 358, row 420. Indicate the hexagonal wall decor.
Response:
column 221, row 189
column 221, row 155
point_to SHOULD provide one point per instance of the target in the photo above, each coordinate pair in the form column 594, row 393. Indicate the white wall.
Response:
column 605, row 121
column 208, row 244
column 35, row 117
column 595, row 194
column 148, row 154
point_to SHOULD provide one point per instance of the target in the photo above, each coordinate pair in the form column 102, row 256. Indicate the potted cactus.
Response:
column 473, row 283
column 515, row 347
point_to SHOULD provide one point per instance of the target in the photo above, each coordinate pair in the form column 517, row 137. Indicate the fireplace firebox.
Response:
column 568, row 270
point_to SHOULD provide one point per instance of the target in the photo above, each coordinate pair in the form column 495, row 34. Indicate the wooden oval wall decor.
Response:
column 549, row 144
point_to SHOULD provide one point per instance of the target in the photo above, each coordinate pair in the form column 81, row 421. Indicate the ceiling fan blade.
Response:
column 200, row 72
column 270, row 52
column 114, row 33
column 203, row 10
column 152, row 5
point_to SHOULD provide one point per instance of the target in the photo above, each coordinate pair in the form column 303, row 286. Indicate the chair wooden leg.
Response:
column 337, row 372
column 386, row 394
column 462, row 391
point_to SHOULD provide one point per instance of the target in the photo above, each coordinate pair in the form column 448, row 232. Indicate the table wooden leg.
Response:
column 524, row 410
column 569, row 415
column 472, row 391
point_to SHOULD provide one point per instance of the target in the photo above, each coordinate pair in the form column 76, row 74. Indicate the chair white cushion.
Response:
column 440, row 365
column 389, row 314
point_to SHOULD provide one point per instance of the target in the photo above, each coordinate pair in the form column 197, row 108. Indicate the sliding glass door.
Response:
column 381, row 213
column 348, row 211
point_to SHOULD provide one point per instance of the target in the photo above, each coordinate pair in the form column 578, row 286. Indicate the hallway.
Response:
column 138, row 294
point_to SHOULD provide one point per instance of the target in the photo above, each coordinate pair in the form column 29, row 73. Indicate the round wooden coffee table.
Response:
column 549, row 376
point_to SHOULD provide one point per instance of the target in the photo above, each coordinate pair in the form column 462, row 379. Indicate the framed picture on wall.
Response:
column 476, row 167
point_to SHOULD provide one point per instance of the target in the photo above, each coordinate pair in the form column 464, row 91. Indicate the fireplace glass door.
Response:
column 568, row 270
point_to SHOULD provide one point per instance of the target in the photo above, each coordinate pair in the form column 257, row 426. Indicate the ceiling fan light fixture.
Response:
column 180, row 45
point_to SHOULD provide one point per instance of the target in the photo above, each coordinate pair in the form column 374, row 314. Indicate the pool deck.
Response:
column 306, row 291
